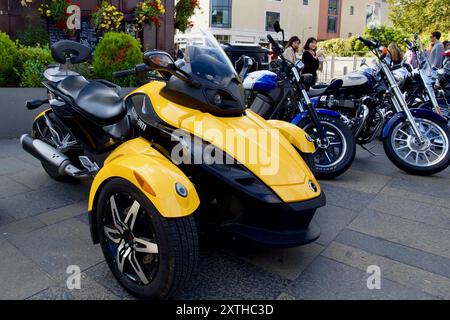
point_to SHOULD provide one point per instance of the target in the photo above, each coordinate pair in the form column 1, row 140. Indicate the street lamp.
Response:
column 303, row 33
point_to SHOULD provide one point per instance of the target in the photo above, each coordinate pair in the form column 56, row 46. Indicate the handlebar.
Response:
column 137, row 69
column 368, row 43
column 124, row 73
column 275, row 45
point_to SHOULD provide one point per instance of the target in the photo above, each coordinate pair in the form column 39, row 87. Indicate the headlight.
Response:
column 300, row 65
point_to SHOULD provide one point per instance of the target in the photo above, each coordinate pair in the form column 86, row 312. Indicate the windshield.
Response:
column 205, row 59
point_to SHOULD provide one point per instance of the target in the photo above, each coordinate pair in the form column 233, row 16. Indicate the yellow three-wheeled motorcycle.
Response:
column 176, row 156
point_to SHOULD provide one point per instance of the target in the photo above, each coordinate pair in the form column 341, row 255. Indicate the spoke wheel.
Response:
column 131, row 238
column 335, row 155
column 430, row 156
column 431, row 151
column 152, row 257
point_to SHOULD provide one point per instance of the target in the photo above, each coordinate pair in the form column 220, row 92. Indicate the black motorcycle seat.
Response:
column 72, row 86
column 322, row 89
column 95, row 98
column 318, row 90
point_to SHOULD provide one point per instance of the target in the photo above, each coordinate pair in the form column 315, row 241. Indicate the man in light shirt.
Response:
column 436, row 57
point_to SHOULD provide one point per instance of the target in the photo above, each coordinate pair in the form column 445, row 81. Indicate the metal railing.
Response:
column 335, row 67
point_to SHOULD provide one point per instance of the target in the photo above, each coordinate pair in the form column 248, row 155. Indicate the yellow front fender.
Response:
column 137, row 162
column 296, row 136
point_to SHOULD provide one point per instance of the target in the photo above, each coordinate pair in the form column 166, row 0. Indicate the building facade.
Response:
column 249, row 21
column 357, row 14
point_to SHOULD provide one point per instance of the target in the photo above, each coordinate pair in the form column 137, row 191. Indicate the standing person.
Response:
column 310, row 58
column 395, row 53
column 292, row 48
column 436, row 57
column 446, row 44
column 411, row 58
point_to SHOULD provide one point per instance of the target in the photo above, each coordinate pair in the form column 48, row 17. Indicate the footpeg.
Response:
column 91, row 167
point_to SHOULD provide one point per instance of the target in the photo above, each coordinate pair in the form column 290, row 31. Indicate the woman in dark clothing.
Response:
column 310, row 58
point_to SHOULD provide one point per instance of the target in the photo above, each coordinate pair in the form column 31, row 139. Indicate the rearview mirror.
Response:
column 159, row 61
column 277, row 27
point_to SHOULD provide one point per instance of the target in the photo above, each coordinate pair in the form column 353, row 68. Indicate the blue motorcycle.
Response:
column 282, row 95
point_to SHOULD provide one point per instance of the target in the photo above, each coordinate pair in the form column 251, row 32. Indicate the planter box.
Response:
column 15, row 118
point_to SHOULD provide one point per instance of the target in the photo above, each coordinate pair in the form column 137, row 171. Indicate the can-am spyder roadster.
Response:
column 166, row 165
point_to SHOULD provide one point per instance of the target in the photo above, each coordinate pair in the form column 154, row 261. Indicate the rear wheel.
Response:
column 335, row 157
column 407, row 153
column 152, row 257
column 42, row 132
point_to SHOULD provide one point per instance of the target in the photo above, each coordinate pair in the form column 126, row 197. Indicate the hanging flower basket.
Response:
column 184, row 10
column 107, row 18
column 148, row 12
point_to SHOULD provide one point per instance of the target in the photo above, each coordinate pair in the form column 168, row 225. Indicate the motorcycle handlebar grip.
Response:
column 124, row 73
column 367, row 42
column 271, row 40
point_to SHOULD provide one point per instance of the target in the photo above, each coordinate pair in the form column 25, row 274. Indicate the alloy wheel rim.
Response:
column 429, row 153
column 331, row 153
column 133, row 244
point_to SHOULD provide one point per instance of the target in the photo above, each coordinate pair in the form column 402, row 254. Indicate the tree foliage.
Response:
column 421, row 16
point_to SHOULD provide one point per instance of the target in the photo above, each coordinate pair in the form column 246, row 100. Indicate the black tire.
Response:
column 177, row 241
column 309, row 160
column 413, row 169
column 344, row 163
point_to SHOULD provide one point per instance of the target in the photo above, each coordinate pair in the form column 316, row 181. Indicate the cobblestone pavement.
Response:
column 376, row 215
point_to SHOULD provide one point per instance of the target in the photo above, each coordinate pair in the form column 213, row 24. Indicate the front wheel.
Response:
column 407, row 153
column 334, row 157
column 152, row 257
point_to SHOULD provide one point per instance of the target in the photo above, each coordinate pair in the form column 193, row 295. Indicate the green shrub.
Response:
column 115, row 52
column 353, row 47
column 31, row 63
column 387, row 34
column 8, row 56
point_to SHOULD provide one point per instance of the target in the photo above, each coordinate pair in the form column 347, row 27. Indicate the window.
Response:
column 352, row 10
column 332, row 24
column 271, row 18
column 223, row 38
column 305, row 2
column 221, row 13
column 332, row 6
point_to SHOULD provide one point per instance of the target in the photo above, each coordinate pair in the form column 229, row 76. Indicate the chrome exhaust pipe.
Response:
column 47, row 153
column 363, row 118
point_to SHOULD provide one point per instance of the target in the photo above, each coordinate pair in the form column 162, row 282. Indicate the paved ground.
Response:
column 376, row 215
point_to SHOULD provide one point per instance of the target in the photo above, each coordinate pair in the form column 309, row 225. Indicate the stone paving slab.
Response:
column 331, row 280
column 428, row 282
column 19, row 227
column 58, row 246
column 394, row 251
column 287, row 263
column 412, row 210
column 20, row 278
column 332, row 221
column 403, row 231
column 60, row 214
column 361, row 181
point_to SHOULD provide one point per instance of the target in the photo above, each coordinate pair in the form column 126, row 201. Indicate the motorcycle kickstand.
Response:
column 369, row 150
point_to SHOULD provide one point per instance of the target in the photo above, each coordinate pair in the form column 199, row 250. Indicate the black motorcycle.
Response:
column 281, row 94
column 416, row 140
